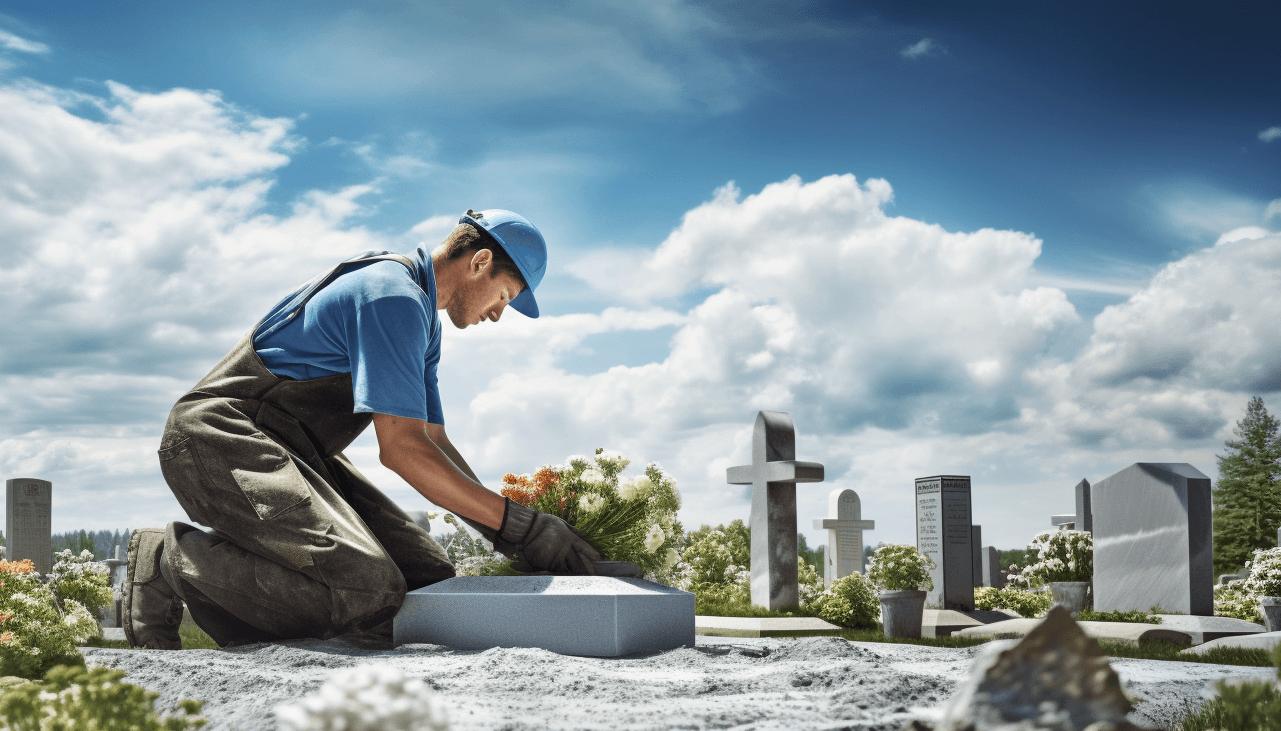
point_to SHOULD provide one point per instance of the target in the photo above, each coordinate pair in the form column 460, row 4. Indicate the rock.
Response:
column 1054, row 678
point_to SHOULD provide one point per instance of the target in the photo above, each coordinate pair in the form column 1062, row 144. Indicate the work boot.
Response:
column 152, row 609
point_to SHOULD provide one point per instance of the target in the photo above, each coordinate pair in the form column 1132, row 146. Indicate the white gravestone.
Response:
column 844, row 535
column 27, row 519
column 773, row 475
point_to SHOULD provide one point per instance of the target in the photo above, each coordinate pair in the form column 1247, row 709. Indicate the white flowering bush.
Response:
column 851, row 601
column 1061, row 555
column 898, row 567
column 82, row 579
column 1232, row 600
column 1025, row 603
column 35, row 633
column 626, row 518
column 1264, row 573
column 716, row 565
column 366, row 698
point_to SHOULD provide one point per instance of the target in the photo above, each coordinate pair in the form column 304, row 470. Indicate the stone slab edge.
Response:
column 1260, row 641
column 1128, row 632
column 712, row 626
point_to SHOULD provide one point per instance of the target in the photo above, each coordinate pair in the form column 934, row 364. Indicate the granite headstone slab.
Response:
column 1153, row 542
column 1084, row 516
column 844, row 535
column 976, row 548
column 28, row 521
column 943, row 535
column 992, row 575
column 773, row 475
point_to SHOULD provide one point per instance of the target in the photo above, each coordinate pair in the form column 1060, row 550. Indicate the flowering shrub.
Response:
column 82, row 579
column 35, row 634
column 1233, row 600
column 715, row 565
column 850, row 602
column 75, row 697
column 1061, row 555
column 1264, row 573
column 896, row 567
column 625, row 518
column 1026, row 603
column 366, row 698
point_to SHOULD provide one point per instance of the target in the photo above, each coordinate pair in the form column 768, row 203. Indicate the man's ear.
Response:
column 481, row 260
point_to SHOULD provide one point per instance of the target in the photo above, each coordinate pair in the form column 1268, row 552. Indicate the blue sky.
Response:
column 1010, row 240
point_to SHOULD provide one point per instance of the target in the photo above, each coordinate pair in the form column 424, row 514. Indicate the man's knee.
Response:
column 373, row 598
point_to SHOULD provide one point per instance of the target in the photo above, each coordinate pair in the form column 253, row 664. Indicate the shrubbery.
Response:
column 850, row 602
column 74, row 697
column 35, row 633
column 1233, row 600
column 1249, row 705
column 1060, row 555
column 1025, row 603
column 82, row 579
column 897, row 567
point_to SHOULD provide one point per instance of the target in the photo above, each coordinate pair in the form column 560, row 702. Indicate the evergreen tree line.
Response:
column 1247, row 496
column 102, row 544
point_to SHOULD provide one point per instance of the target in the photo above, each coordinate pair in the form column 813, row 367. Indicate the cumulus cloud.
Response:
column 1269, row 134
column 22, row 45
column 923, row 47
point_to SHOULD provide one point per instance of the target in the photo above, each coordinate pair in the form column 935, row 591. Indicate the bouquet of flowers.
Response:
column 1264, row 577
column 626, row 518
column 895, row 567
column 35, row 634
column 1061, row 555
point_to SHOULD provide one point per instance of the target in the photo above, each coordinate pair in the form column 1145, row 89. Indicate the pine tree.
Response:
column 1247, row 497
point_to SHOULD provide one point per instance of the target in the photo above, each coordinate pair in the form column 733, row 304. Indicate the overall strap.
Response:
column 303, row 297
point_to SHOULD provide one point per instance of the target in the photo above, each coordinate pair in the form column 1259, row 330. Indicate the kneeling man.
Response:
column 301, row 544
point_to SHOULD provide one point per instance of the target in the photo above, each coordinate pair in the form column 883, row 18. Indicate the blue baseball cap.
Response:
column 523, row 243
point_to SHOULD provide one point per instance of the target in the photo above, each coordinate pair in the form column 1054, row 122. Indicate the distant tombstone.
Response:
column 1066, row 522
column 1153, row 544
column 27, row 521
column 1084, row 515
column 773, row 475
column 943, row 535
column 844, row 535
column 976, row 547
column 992, row 575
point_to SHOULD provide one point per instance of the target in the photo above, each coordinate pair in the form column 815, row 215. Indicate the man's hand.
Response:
column 546, row 543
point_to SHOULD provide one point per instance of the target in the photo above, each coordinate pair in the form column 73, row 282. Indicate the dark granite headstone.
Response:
column 943, row 535
column 27, row 521
column 773, row 475
column 1084, row 519
column 976, row 547
column 992, row 575
column 1153, row 542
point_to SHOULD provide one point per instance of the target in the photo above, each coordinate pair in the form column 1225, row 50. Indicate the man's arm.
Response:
column 437, row 472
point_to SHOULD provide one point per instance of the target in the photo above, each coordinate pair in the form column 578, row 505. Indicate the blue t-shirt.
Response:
column 373, row 321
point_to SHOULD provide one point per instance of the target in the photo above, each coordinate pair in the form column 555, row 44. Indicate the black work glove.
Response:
column 545, row 542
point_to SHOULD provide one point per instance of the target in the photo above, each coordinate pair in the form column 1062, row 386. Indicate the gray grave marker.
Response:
column 773, row 475
column 976, row 549
column 1153, row 543
column 27, row 521
column 844, row 535
column 943, row 535
column 1084, row 512
column 991, row 569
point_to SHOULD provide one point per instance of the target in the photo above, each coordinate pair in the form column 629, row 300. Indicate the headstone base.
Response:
column 764, row 627
column 592, row 616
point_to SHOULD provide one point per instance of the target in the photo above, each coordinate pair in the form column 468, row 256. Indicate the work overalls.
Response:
column 303, row 545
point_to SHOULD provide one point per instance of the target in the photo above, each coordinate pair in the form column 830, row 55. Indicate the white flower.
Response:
column 654, row 538
column 592, row 476
column 670, row 560
column 590, row 503
column 363, row 699
column 635, row 488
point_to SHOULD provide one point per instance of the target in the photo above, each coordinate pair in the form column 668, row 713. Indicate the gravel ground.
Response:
column 811, row 683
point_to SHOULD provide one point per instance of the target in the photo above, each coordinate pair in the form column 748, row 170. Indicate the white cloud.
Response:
column 923, row 47
column 1269, row 134
column 17, row 43
column 1273, row 209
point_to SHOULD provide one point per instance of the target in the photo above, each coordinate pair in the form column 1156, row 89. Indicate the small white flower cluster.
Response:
column 1264, row 573
column 897, row 567
column 366, row 698
column 1061, row 555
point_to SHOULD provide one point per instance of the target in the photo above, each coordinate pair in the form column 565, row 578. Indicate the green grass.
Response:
column 709, row 607
column 193, row 638
column 1138, row 616
column 1157, row 650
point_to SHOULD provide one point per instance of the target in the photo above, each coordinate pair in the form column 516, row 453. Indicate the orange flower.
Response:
column 5, row 617
column 7, row 636
column 526, row 491
column 17, row 567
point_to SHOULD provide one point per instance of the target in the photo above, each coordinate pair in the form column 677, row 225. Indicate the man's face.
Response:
column 481, row 297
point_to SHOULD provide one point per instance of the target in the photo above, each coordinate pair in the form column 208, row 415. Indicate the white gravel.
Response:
column 810, row 683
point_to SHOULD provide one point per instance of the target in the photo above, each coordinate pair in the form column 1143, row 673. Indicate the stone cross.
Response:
column 844, row 535
column 27, row 521
column 773, row 475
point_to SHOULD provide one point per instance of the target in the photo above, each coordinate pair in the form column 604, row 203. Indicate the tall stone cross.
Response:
column 844, row 535
column 773, row 475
